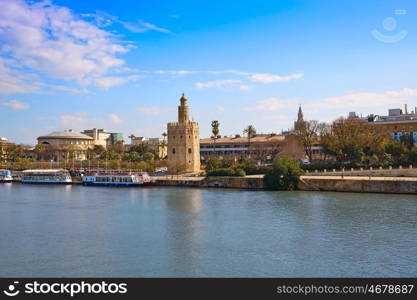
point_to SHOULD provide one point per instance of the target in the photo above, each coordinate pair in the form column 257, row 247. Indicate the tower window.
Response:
column 173, row 150
column 181, row 137
column 189, row 150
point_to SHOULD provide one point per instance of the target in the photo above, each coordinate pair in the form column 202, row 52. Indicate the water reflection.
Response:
column 184, row 236
column 156, row 231
column 184, row 200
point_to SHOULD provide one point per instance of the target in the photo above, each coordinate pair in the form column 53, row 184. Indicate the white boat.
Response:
column 49, row 176
column 116, row 179
column 5, row 176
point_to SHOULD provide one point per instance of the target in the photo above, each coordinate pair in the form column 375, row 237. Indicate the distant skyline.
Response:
column 123, row 65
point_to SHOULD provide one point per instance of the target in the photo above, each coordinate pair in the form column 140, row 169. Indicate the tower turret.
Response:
column 183, row 110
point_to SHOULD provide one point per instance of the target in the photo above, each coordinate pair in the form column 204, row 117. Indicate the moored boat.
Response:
column 49, row 176
column 5, row 176
column 116, row 179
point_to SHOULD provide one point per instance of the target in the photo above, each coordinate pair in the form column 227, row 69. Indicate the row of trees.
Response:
column 230, row 167
column 355, row 142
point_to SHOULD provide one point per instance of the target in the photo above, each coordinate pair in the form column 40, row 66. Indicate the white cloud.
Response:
column 244, row 87
column 108, row 82
column 154, row 111
column 219, row 108
column 43, row 38
column 115, row 119
column 103, row 19
column 15, row 105
column 270, row 78
column 13, row 82
column 362, row 102
column 77, row 120
column 83, row 120
column 406, row 92
column 70, row 90
column 270, row 104
column 216, row 83
column 175, row 72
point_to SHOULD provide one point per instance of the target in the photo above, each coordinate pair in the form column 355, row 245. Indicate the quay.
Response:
column 254, row 182
column 359, row 184
column 317, row 182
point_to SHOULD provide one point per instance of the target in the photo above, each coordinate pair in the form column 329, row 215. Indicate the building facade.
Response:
column 397, row 123
column 157, row 145
column 103, row 138
column 262, row 148
column 4, row 144
column 183, row 142
column 63, row 145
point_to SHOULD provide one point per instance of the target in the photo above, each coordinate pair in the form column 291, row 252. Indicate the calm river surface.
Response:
column 182, row 232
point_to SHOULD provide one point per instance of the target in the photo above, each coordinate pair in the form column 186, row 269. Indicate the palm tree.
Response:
column 164, row 144
column 251, row 132
column 215, row 131
column 40, row 150
column 131, row 137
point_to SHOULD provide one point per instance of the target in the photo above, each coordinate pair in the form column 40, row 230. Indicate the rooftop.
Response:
column 255, row 139
column 68, row 134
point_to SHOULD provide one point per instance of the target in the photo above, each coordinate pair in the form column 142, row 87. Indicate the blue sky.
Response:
column 123, row 65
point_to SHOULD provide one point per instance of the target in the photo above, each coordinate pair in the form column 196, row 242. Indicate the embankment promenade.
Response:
column 359, row 184
column 337, row 183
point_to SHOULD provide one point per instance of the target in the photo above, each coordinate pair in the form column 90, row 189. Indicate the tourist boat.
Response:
column 5, row 176
column 116, row 179
column 51, row 176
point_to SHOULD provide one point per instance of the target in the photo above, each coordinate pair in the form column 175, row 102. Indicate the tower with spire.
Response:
column 300, row 119
column 183, row 142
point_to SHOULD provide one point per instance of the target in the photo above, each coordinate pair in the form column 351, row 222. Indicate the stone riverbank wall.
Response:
column 248, row 182
column 360, row 184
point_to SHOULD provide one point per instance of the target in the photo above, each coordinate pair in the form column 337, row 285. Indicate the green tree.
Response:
column 250, row 131
column 284, row 175
column 99, row 149
column 307, row 134
column 215, row 131
column 407, row 139
column 148, row 156
column 354, row 140
column 140, row 148
column 212, row 164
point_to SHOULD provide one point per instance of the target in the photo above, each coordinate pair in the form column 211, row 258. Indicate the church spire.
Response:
column 300, row 117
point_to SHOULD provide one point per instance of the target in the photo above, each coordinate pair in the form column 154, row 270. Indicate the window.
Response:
column 189, row 150
column 173, row 150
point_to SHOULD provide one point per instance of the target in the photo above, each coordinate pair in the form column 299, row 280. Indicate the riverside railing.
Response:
column 410, row 170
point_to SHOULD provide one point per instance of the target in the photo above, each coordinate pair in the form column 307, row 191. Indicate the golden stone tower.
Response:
column 183, row 142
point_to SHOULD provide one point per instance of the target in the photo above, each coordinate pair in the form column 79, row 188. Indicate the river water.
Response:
column 76, row 231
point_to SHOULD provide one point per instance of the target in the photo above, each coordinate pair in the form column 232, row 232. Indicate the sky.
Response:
column 123, row 65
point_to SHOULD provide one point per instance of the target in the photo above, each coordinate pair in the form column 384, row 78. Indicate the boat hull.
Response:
column 44, row 182
column 112, row 184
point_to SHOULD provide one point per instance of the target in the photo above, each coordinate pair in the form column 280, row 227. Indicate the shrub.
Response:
column 227, row 172
column 212, row 163
column 284, row 175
